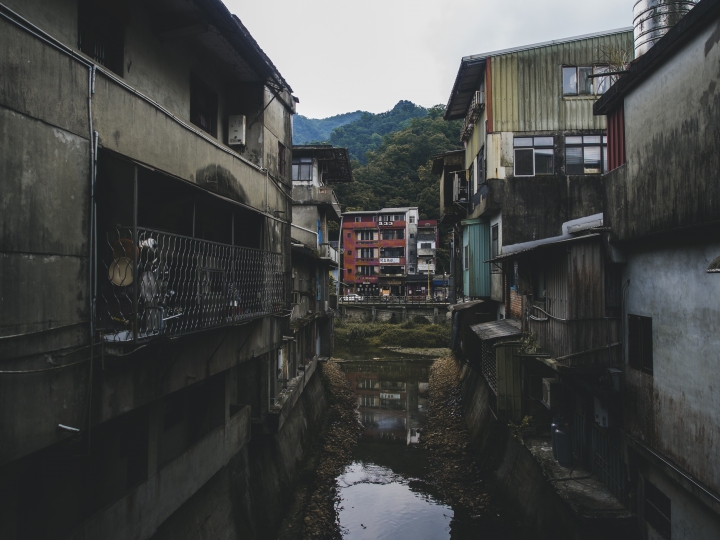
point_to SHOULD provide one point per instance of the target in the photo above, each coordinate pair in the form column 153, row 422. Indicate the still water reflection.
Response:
column 384, row 493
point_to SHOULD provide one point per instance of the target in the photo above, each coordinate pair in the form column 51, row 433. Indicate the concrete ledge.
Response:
column 140, row 512
column 287, row 399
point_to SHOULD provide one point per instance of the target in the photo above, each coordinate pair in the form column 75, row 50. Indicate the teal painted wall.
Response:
column 476, row 244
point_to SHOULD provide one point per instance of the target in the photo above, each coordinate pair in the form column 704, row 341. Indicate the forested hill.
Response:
column 366, row 133
column 398, row 172
column 307, row 130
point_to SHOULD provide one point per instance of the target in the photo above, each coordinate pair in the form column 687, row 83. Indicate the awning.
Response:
column 540, row 244
column 465, row 305
column 497, row 329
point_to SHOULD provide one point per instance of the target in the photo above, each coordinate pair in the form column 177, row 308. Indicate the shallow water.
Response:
column 384, row 493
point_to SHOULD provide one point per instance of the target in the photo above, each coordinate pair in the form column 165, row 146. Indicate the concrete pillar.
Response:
column 374, row 313
column 404, row 313
column 435, row 315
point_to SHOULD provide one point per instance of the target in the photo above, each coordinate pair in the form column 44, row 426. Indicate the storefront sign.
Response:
column 386, row 223
column 391, row 260
column 389, row 396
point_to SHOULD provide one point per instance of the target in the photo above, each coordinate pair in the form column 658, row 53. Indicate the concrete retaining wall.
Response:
column 519, row 480
column 247, row 498
column 385, row 313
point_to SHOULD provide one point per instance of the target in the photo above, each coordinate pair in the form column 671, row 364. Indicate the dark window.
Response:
column 586, row 154
column 101, row 36
column 302, row 169
column 466, row 258
column 349, row 235
column 425, row 245
column 282, row 157
column 533, row 156
column 349, row 250
column 358, row 220
column 365, row 235
column 657, row 510
column 394, row 234
column 203, row 106
column 640, row 346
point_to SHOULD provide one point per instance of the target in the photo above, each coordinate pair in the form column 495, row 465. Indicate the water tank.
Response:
column 653, row 18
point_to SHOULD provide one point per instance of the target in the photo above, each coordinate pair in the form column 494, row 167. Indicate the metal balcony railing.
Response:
column 153, row 283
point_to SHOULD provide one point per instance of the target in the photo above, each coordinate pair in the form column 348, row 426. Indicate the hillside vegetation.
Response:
column 307, row 130
column 366, row 133
column 399, row 171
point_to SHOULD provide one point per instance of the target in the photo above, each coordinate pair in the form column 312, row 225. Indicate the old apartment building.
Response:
column 315, row 262
column 145, row 157
column 379, row 251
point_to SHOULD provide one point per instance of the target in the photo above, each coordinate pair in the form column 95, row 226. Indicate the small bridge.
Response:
column 393, row 308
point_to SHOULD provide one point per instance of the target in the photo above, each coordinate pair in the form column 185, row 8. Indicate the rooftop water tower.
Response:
column 653, row 18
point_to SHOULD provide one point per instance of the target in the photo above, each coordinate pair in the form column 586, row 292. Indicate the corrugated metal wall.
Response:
column 576, row 292
column 527, row 86
column 476, row 278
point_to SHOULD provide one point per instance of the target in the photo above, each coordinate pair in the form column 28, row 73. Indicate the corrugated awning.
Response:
column 465, row 305
column 540, row 244
column 497, row 329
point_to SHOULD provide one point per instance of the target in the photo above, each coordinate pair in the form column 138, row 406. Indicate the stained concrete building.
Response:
column 663, row 208
column 315, row 262
column 145, row 158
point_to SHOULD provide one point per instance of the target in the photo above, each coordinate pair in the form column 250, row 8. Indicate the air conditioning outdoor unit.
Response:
column 479, row 97
column 551, row 393
column 236, row 130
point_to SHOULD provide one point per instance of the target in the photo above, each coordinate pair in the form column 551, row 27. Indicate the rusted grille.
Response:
column 183, row 284
column 487, row 364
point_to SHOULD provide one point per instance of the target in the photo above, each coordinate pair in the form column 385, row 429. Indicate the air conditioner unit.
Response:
column 479, row 97
column 551, row 393
column 236, row 130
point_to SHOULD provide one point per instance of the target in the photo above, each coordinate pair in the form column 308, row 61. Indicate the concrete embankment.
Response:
column 247, row 498
column 548, row 501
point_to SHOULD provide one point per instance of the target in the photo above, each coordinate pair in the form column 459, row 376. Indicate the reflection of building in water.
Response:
column 392, row 398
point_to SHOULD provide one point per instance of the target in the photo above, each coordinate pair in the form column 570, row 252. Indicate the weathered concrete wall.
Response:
column 675, row 409
column 671, row 179
column 247, row 498
column 386, row 313
column 518, row 479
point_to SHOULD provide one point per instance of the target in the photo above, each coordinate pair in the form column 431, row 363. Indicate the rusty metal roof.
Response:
column 497, row 329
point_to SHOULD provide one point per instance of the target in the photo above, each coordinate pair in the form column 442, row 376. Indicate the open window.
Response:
column 583, row 80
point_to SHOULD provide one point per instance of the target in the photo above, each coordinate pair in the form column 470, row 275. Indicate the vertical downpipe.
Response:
column 92, row 251
column 135, row 254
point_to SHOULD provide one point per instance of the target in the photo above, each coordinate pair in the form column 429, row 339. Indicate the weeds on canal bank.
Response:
column 343, row 430
column 408, row 334
column 447, row 440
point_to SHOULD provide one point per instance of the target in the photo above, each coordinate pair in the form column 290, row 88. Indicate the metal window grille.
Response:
column 487, row 365
column 608, row 464
column 167, row 284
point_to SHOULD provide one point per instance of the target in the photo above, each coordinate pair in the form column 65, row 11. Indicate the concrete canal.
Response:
column 409, row 472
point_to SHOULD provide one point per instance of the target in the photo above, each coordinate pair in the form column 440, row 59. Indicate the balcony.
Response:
column 316, row 195
column 183, row 284
column 330, row 254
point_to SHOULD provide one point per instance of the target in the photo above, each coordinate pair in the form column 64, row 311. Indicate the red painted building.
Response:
column 379, row 251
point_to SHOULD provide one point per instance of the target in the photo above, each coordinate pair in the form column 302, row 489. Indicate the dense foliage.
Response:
column 399, row 171
column 366, row 133
column 306, row 130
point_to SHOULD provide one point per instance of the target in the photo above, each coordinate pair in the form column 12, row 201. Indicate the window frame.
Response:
column 583, row 145
column 542, row 147
column 595, row 86
column 640, row 343
column 282, row 159
column 199, row 92
column 300, row 164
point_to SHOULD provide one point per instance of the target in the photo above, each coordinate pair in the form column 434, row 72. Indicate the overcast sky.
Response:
column 341, row 56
